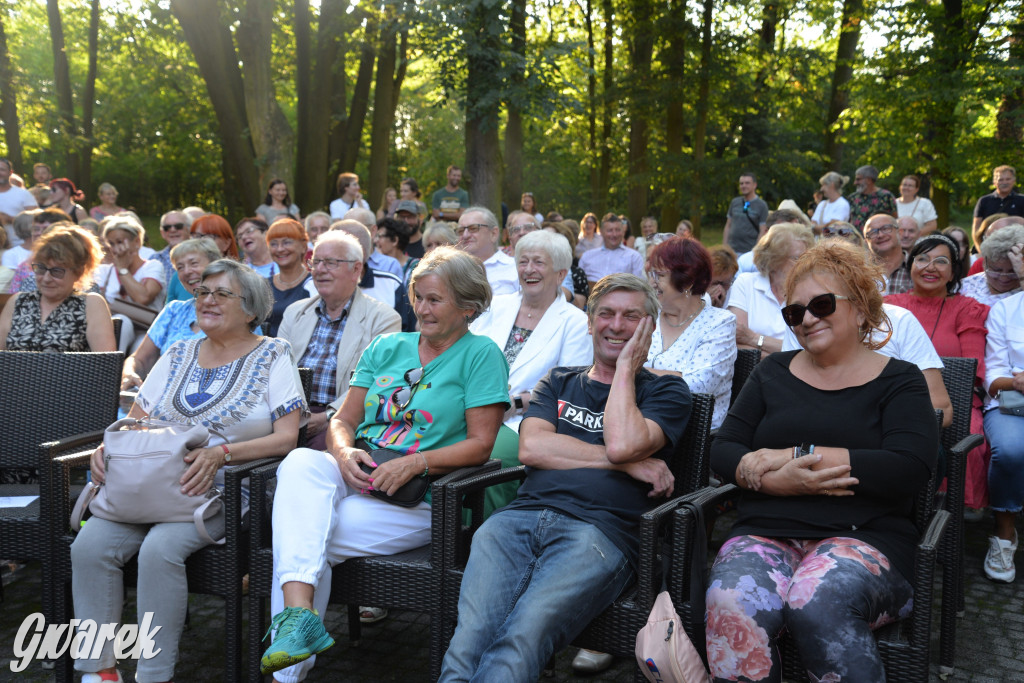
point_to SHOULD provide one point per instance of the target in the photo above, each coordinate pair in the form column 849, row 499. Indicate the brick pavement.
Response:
column 990, row 644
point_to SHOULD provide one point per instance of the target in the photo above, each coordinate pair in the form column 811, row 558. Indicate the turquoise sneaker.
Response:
column 300, row 635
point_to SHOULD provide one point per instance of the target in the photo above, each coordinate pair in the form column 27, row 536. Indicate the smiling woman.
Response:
column 286, row 240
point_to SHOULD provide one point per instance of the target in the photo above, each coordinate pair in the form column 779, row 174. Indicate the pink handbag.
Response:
column 144, row 464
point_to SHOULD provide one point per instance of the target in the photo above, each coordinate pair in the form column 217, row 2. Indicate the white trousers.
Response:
column 320, row 521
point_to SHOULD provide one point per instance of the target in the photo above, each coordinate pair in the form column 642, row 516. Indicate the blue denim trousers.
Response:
column 534, row 580
column 1005, row 434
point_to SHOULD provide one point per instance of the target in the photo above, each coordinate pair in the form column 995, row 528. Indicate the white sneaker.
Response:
column 999, row 559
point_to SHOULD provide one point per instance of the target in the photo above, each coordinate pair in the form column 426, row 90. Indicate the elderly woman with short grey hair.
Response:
column 1003, row 271
column 435, row 396
column 245, row 389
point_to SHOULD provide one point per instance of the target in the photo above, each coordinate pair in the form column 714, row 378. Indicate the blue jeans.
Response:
column 534, row 580
column 1005, row 434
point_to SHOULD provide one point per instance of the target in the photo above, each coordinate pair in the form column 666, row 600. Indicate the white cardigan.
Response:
column 561, row 338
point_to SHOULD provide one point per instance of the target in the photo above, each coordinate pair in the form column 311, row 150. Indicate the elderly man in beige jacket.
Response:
column 328, row 332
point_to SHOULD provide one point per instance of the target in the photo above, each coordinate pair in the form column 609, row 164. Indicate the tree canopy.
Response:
column 593, row 105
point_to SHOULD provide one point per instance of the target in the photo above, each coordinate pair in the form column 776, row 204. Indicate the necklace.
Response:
column 688, row 318
column 937, row 318
column 288, row 284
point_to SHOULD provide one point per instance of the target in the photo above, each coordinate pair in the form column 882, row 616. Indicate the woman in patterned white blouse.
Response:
column 692, row 339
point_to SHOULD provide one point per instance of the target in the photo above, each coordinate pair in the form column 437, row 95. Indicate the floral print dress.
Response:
column 63, row 329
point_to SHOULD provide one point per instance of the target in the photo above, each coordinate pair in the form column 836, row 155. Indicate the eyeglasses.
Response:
column 1001, row 275
column 922, row 261
column 281, row 244
column 829, row 231
column 402, row 397
column 821, row 306
column 220, row 295
column 56, row 273
column 473, row 228
column 328, row 263
column 520, row 229
column 173, row 226
column 205, row 235
column 247, row 232
column 880, row 230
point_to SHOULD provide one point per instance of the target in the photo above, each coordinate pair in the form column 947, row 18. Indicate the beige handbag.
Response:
column 144, row 462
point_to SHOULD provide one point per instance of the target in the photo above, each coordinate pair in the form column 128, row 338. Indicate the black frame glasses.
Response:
column 821, row 306
column 56, row 273
column 173, row 226
column 219, row 295
column 829, row 231
column 412, row 379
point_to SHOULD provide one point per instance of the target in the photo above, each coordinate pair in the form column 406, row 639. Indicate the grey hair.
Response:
column 257, row 298
column 516, row 214
column 23, row 223
column 489, row 219
column 124, row 222
column 553, row 244
column 188, row 219
column 997, row 245
column 868, row 171
column 443, row 229
column 462, row 273
column 196, row 245
column 772, row 248
column 626, row 282
column 834, row 179
column 317, row 214
column 349, row 242
column 357, row 230
column 365, row 216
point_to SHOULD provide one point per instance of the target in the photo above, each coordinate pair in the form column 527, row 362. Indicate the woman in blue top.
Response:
column 177, row 319
column 437, row 396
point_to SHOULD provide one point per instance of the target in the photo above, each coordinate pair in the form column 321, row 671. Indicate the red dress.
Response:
column 956, row 326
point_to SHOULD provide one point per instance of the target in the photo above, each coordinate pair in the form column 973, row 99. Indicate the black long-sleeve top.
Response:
column 887, row 424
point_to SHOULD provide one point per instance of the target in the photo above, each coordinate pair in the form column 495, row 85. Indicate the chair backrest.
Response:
column 306, row 379
column 49, row 396
column 118, row 322
column 958, row 376
column 692, row 463
column 746, row 360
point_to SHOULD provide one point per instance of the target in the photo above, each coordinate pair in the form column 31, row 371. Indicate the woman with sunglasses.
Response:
column 828, row 445
column 956, row 325
column 834, row 207
column 437, row 396
column 1001, row 277
column 845, row 231
column 60, row 315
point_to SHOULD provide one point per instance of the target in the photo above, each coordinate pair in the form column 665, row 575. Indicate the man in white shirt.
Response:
column 613, row 256
column 478, row 233
column 13, row 200
column 908, row 342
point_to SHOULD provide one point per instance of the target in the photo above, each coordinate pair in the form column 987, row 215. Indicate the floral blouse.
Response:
column 63, row 329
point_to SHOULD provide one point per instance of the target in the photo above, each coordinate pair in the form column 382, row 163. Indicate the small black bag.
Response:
column 411, row 493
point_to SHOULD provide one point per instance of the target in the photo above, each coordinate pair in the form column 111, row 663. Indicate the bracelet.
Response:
column 426, row 467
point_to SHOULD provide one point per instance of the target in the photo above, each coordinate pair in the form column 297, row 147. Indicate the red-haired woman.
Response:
column 63, row 195
column 214, row 227
column 287, row 242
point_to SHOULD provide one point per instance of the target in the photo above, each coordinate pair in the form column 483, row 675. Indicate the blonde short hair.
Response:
column 772, row 249
column 462, row 273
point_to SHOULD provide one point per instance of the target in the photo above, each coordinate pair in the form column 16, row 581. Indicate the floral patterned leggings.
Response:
column 830, row 594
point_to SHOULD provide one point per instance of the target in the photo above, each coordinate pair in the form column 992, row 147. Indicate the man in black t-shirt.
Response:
column 594, row 441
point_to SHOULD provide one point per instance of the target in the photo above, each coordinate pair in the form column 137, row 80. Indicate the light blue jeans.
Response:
column 99, row 552
column 1005, row 434
column 534, row 580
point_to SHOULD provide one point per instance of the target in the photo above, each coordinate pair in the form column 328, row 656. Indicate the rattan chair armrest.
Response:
column 924, row 572
column 969, row 442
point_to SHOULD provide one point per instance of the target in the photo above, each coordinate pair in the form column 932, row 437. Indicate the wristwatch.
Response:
column 518, row 400
column 330, row 412
column 805, row 449
column 124, row 271
column 760, row 342
column 227, row 453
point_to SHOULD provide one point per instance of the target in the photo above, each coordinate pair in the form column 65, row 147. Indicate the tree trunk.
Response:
column 595, row 178
column 700, row 130
column 272, row 136
column 212, row 47
column 385, row 95
column 62, row 84
column 754, row 131
column 639, row 103
column 88, row 101
column 483, row 60
column 9, row 104
column 314, row 184
column 607, row 104
column 513, row 181
column 348, row 139
column 846, row 53
column 675, row 32
column 308, row 157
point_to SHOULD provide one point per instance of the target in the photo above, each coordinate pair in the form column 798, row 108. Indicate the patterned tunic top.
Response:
column 63, row 329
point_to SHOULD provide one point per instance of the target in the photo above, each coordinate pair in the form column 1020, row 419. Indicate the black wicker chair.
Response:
column 47, row 396
column 746, row 360
column 614, row 631
column 957, row 440
column 213, row 570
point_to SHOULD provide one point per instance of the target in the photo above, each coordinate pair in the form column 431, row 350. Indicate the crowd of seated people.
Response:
column 458, row 338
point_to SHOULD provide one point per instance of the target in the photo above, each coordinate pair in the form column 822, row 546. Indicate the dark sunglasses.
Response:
column 821, row 306
column 402, row 397
column 173, row 226
column 843, row 232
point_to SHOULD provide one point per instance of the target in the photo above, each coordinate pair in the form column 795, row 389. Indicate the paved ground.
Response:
column 990, row 647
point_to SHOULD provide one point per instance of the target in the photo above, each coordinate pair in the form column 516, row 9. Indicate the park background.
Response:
column 633, row 106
